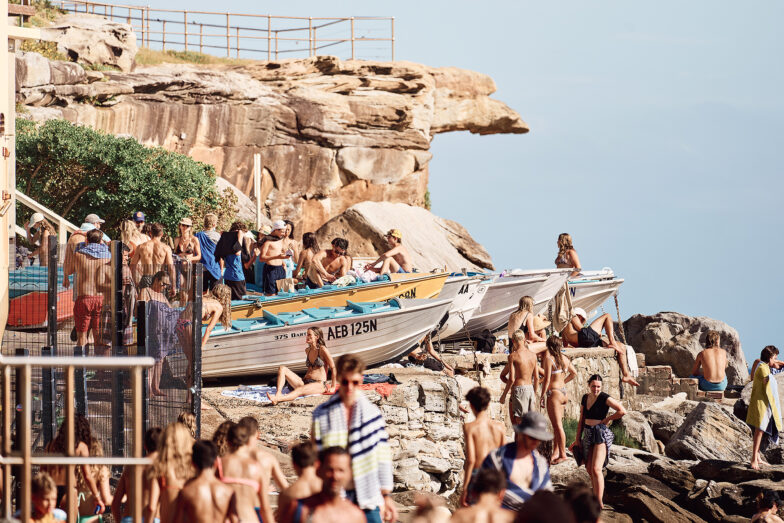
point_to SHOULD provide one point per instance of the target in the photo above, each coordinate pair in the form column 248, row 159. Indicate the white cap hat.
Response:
column 35, row 218
column 577, row 311
column 93, row 218
column 278, row 224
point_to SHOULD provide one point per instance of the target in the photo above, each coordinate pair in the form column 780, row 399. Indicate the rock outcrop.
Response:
column 711, row 432
column 94, row 40
column 329, row 133
column 433, row 242
column 674, row 339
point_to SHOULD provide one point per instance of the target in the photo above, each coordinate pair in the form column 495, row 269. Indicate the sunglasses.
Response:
column 346, row 383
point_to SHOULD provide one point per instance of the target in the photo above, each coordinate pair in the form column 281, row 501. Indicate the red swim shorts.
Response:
column 87, row 313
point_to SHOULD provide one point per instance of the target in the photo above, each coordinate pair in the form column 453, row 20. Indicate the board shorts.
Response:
column 523, row 400
column 87, row 313
column 587, row 337
column 271, row 274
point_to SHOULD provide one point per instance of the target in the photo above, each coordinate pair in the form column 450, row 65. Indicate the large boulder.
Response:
column 639, row 430
column 94, row 40
column 710, row 432
column 428, row 238
column 674, row 339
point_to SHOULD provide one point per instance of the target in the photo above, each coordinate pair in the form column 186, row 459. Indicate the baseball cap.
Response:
column 93, row 218
column 278, row 224
column 395, row 233
column 265, row 229
column 35, row 218
column 534, row 425
column 186, row 221
column 577, row 311
column 138, row 216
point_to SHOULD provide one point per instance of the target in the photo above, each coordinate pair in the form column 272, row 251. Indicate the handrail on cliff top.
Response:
column 361, row 33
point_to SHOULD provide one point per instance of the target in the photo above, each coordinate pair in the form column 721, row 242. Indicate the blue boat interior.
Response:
column 305, row 316
column 32, row 279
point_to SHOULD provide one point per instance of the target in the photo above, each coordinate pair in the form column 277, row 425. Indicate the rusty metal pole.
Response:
column 136, row 484
column 352, row 38
column 26, row 443
column 70, row 444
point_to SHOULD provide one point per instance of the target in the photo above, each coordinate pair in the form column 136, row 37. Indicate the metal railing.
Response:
column 24, row 458
column 63, row 225
column 252, row 35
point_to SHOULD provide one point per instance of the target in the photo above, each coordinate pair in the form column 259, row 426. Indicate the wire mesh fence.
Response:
column 81, row 299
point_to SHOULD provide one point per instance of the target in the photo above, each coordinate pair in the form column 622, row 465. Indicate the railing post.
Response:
column 24, row 429
column 352, row 38
column 51, row 292
column 70, row 444
column 238, row 42
column 7, row 444
column 136, row 483
column 48, row 399
column 163, row 37
column 310, row 36
column 141, row 350
column 276, row 45
column 185, row 26
column 201, row 38
column 393, row 38
column 19, row 420
column 118, row 349
column 81, row 384
column 228, row 37
column 269, row 37
column 195, row 387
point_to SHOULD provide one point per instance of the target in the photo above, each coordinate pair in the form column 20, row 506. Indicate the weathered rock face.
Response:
column 710, row 432
column 432, row 241
column 670, row 338
column 329, row 133
column 94, row 40
column 638, row 429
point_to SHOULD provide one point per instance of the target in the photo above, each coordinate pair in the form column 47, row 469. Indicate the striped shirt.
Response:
column 502, row 459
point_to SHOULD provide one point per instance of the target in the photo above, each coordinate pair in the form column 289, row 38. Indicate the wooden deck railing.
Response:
column 252, row 36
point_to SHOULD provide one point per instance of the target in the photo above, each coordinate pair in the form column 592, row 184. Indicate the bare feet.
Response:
column 630, row 381
column 273, row 399
column 559, row 460
column 755, row 465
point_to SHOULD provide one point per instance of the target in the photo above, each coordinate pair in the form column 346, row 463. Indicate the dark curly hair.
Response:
column 82, row 434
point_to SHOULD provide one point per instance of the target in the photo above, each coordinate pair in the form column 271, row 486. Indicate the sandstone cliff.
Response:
column 330, row 133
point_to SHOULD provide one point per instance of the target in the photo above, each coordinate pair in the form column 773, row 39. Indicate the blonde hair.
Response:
column 189, row 420
column 210, row 220
column 222, row 293
column 129, row 234
column 564, row 243
column 518, row 339
column 174, row 455
column 42, row 485
column 98, row 472
column 526, row 303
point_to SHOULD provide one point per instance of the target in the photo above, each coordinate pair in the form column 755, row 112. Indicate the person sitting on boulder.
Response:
column 764, row 413
column 396, row 259
column 578, row 334
column 713, row 360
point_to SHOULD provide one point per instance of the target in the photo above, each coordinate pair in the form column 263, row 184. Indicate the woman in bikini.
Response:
column 131, row 236
column 310, row 248
column 290, row 244
column 558, row 371
column 241, row 471
column 318, row 361
column 169, row 473
column 523, row 319
column 593, row 439
column 100, row 475
column 567, row 257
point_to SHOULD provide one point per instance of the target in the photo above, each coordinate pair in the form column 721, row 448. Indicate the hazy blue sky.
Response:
column 656, row 140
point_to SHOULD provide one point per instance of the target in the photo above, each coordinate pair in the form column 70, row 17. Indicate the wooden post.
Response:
column 257, row 187
column 310, row 36
column 164, row 35
column 228, row 37
column 352, row 37
column 70, row 445
column 185, row 25
column 26, row 443
column 201, row 38
column 269, row 37
column 393, row 38
column 136, row 484
column 7, row 421
column 238, row 41
column 276, row 45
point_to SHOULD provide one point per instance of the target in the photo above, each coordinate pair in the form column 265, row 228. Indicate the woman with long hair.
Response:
column 290, row 244
column 131, row 236
column 318, row 361
column 38, row 232
column 169, row 472
column 186, row 246
column 558, row 371
column 567, row 256
column 220, row 435
column 523, row 319
column 768, row 504
column 593, row 439
column 310, row 247
column 100, row 475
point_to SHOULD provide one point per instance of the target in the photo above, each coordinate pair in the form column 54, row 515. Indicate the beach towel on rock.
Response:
column 764, row 409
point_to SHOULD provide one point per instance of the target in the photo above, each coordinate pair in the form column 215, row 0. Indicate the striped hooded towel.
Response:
column 764, row 410
column 366, row 441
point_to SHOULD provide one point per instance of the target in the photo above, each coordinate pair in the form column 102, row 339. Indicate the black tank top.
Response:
column 599, row 409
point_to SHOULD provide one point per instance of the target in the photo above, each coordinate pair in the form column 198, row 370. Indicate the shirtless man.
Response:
column 396, row 259
column 243, row 473
column 481, row 436
column 523, row 379
column 90, row 261
column 152, row 442
column 578, row 334
column 713, row 361
column 151, row 257
column 270, row 466
column 335, row 263
column 204, row 499
column 303, row 458
column 329, row 504
column 272, row 256
column 91, row 221
column 490, row 488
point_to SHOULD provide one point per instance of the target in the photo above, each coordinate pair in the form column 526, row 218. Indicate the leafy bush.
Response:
column 47, row 49
column 75, row 171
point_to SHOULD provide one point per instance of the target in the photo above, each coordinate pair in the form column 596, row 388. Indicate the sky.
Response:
column 655, row 141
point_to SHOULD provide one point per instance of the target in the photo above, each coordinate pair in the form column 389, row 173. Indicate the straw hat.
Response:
column 540, row 323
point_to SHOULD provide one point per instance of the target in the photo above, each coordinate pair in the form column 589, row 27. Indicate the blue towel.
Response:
column 709, row 386
column 96, row 250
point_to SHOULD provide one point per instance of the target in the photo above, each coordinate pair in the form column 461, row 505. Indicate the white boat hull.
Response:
column 375, row 337
column 590, row 294
column 470, row 291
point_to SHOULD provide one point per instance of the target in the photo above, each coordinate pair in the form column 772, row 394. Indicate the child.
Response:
column 481, row 436
column 44, row 491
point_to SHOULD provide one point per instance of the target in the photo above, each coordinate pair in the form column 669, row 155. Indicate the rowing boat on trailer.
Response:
column 377, row 332
column 413, row 285
column 592, row 288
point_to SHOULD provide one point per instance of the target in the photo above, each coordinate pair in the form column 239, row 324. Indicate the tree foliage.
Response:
column 75, row 171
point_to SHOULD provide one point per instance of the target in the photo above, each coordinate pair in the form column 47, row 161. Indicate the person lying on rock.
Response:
column 490, row 489
column 427, row 356
column 713, row 360
column 481, row 436
column 764, row 413
column 396, row 259
column 578, row 334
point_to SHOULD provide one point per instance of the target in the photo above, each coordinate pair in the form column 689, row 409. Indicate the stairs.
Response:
column 658, row 380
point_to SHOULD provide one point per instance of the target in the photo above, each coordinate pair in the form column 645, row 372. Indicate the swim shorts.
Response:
column 87, row 313
column 523, row 400
column 237, row 288
column 587, row 337
column 272, row 273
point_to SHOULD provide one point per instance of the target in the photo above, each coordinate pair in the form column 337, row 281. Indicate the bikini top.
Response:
column 599, row 409
column 179, row 250
column 236, row 481
column 562, row 260
column 317, row 363
column 555, row 371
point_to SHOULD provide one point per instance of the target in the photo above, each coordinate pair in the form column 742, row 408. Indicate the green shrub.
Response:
column 47, row 49
column 621, row 438
column 75, row 171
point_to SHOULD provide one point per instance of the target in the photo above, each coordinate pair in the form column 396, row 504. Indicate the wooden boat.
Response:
column 592, row 288
column 27, row 289
column 378, row 332
column 503, row 294
column 407, row 286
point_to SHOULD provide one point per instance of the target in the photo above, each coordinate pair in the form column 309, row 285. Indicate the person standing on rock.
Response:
column 481, row 436
column 350, row 421
column 713, row 360
column 558, row 371
column 396, row 259
column 229, row 250
column 764, row 413
column 578, row 334
column 523, row 379
column 593, row 439
column 525, row 470
column 490, row 489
